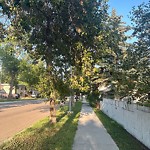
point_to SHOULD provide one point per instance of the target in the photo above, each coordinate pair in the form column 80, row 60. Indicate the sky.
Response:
column 123, row 7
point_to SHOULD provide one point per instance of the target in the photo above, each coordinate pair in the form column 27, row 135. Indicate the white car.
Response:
column 33, row 96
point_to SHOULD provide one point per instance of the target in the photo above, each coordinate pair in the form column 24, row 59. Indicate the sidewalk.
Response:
column 91, row 134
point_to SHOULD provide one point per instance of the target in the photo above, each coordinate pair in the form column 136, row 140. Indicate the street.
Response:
column 16, row 116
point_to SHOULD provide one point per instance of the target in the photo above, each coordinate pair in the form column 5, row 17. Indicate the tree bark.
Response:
column 11, row 86
column 52, row 111
column 52, row 100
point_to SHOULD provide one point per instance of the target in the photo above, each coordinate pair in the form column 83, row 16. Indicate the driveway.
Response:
column 16, row 116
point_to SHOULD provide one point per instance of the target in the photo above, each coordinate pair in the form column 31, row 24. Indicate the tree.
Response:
column 2, row 30
column 30, row 72
column 108, row 56
column 131, row 74
column 140, row 17
column 65, row 22
column 112, row 52
column 140, row 50
column 10, row 64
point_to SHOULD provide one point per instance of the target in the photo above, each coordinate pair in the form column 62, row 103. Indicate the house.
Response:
column 4, row 90
column 21, row 90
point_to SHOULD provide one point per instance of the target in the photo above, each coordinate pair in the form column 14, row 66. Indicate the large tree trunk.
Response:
column 52, row 111
column 51, row 80
column 11, row 86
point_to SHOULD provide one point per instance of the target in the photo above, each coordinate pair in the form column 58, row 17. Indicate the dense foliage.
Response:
column 133, row 75
column 80, row 46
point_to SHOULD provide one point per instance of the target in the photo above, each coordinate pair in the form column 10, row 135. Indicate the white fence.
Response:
column 135, row 119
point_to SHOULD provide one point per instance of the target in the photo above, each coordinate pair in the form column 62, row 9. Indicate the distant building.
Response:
column 21, row 90
column 4, row 90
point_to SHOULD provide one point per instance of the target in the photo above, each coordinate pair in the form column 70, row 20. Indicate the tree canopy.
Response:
column 80, row 44
column 51, row 30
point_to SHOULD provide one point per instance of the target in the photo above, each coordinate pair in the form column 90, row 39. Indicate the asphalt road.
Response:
column 16, row 116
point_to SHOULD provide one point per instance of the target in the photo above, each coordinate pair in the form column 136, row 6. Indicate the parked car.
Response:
column 17, row 96
column 35, row 95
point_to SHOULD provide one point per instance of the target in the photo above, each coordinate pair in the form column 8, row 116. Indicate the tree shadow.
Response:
column 64, row 137
column 46, row 136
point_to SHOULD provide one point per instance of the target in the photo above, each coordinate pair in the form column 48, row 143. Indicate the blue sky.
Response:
column 123, row 7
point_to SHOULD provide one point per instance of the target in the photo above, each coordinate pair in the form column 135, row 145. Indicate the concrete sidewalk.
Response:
column 91, row 134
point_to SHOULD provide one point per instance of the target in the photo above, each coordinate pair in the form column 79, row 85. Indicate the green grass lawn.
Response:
column 122, row 138
column 44, row 136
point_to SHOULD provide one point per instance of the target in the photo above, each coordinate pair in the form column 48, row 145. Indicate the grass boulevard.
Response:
column 43, row 136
